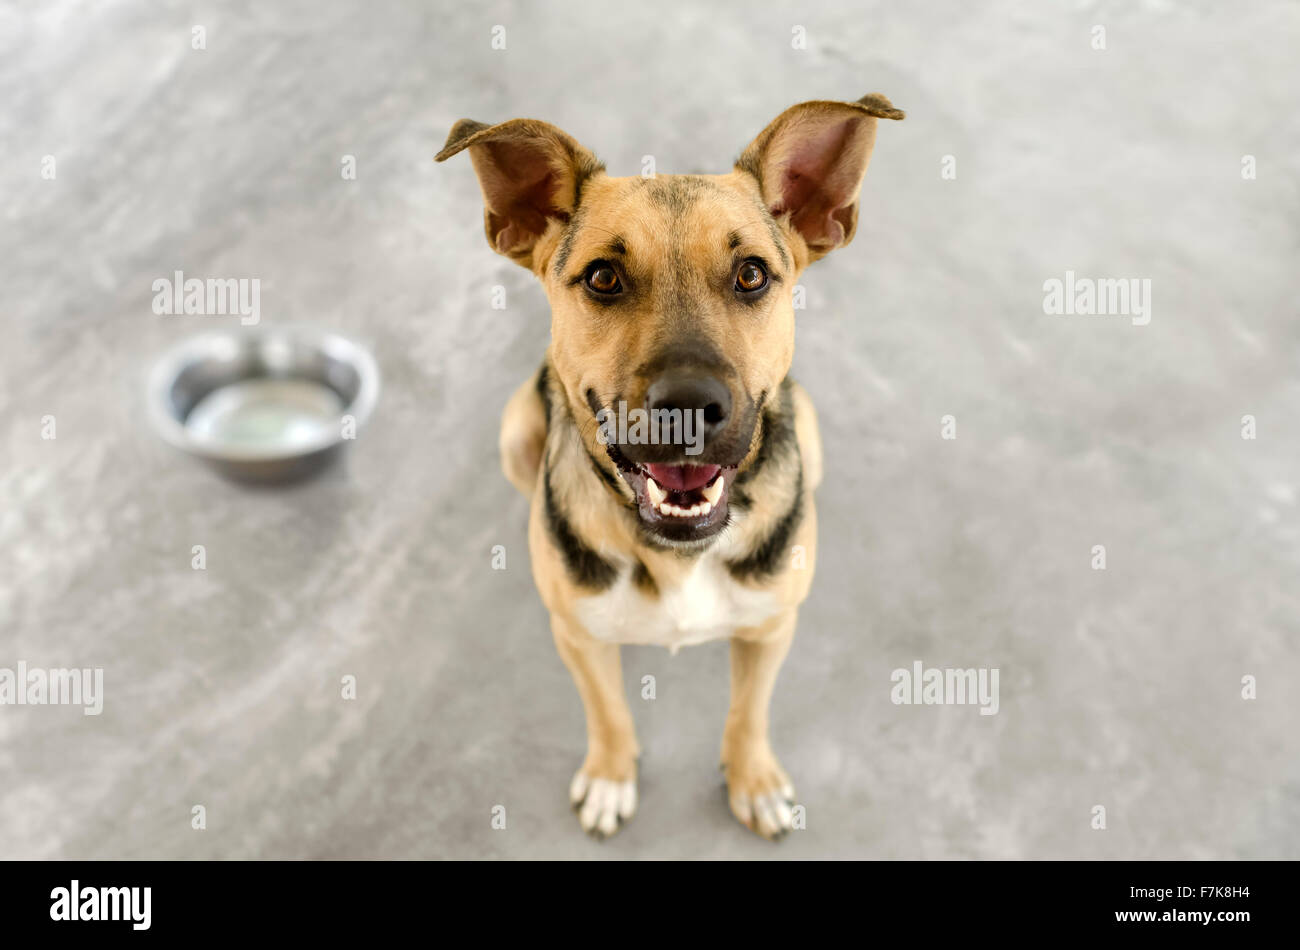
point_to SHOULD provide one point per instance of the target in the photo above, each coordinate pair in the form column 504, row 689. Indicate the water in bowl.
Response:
column 267, row 414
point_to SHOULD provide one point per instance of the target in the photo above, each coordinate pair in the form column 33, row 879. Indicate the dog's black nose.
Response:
column 705, row 396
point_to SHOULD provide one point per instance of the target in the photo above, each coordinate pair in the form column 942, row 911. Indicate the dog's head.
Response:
column 672, row 316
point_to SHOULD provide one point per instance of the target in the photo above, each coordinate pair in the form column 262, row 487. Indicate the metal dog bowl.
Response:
column 263, row 405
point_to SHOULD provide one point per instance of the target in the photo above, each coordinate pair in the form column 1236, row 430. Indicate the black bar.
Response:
column 332, row 899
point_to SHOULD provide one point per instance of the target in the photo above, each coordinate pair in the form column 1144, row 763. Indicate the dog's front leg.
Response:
column 604, row 789
column 758, row 789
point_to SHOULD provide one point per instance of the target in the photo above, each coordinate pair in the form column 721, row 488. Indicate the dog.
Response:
column 672, row 294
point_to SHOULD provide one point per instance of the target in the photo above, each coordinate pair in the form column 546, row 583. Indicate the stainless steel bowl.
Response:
column 265, row 404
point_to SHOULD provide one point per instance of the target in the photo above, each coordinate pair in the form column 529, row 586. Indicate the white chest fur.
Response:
column 707, row 604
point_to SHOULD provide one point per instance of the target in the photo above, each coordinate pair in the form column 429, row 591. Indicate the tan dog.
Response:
column 671, row 294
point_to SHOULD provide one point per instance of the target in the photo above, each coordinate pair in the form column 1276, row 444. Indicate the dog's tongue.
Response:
column 683, row 477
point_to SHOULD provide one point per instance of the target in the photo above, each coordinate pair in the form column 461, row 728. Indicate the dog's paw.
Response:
column 603, row 804
column 760, row 795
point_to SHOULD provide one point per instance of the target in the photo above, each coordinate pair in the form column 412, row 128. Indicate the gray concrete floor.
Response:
column 1119, row 688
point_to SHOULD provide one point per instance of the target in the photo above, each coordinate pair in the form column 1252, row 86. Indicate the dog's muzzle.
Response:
column 682, row 473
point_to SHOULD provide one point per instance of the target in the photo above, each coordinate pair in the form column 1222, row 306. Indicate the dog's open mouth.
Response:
column 681, row 502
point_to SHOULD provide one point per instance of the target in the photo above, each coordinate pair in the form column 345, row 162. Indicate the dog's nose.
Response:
column 707, row 397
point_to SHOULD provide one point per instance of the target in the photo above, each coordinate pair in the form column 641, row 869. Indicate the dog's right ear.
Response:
column 530, row 172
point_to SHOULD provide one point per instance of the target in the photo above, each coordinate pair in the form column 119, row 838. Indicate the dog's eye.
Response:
column 603, row 279
column 751, row 277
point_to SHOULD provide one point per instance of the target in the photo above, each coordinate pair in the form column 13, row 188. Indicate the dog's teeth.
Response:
column 657, row 494
column 714, row 491
column 697, row 510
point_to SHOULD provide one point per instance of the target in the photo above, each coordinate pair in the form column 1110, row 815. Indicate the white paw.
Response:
column 759, row 792
column 602, row 804
column 771, row 814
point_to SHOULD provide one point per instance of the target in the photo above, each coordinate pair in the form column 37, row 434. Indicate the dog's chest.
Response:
column 705, row 604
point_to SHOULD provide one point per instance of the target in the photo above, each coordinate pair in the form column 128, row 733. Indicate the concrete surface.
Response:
column 1119, row 688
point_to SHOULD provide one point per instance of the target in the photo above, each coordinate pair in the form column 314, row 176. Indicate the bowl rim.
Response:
column 167, row 367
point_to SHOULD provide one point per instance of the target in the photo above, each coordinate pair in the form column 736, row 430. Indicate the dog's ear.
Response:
column 530, row 173
column 810, row 162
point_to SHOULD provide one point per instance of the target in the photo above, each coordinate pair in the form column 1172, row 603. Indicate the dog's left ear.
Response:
column 810, row 162
column 530, row 173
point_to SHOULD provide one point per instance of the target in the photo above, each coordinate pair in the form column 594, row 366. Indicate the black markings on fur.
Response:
column 610, row 481
column 582, row 174
column 778, row 434
column 678, row 193
column 780, row 447
column 644, row 582
column 566, row 241
column 778, row 238
column 544, row 392
column 584, row 171
column 586, row 568
column 612, row 453
column 768, row 557
column 750, row 164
